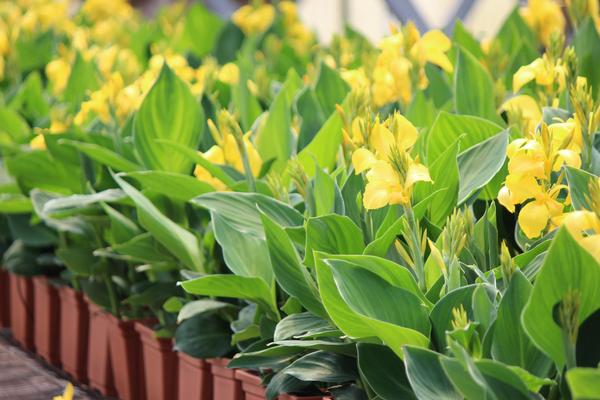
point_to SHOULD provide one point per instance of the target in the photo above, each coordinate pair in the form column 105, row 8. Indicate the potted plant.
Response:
column 74, row 328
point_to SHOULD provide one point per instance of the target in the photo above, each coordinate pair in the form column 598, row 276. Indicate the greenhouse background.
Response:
column 299, row 200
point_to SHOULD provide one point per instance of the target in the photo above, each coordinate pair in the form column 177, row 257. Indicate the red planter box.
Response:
column 194, row 378
column 74, row 324
column 225, row 386
column 99, row 368
column 21, row 310
column 293, row 397
column 47, row 320
column 160, row 364
column 126, row 359
column 251, row 385
column 4, row 299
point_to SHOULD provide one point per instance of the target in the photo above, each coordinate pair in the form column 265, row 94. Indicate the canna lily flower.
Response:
column 58, row 72
column 543, row 71
column 229, row 74
column 584, row 225
column 545, row 17
column 392, row 172
column 432, row 47
column 523, row 109
column 227, row 150
column 254, row 19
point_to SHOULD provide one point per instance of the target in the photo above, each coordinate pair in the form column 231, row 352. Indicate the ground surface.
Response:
column 23, row 377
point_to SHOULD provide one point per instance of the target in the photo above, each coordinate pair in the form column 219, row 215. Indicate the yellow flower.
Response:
column 254, row 19
column 543, row 71
column 584, row 225
column 432, row 47
column 226, row 151
column 545, row 17
column 58, row 72
column 523, row 109
column 229, row 74
column 97, row 10
column 356, row 78
column 100, row 101
column 392, row 173
column 67, row 394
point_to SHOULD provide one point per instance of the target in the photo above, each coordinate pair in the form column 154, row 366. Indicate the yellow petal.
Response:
column 382, row 171
column 580, row 221
column 567, row 157
column 215, row 155
column 416, row 173
column 533, row 218
column 38, row 142
column 377, row 195
column 524, row 75
column 381, row 140
column 362, row 159
column 432, row 47
column 405, row 132
column 522, row 187
column 592, row 245
column 504, row 198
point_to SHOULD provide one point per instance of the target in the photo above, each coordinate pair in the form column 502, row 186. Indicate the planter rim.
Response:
column 148, row 336
column 247, row 376
column 197, row 362
column 218, row 367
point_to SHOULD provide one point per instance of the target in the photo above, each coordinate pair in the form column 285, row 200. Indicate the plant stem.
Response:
column 246, row 162
column 415, row 246
column 112, row 296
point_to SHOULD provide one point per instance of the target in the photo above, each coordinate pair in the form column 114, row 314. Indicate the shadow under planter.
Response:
column 21, row 310
column 99, row 368
column 46, row 323
column 4, row 299
column 225, row 385
column 74, row 324
column 194, row 378
column 126, row 358
column 159, row 362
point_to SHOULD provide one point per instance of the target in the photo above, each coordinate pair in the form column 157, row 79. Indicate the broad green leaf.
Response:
column 13, row 125
column 37, row 169
column 245, row 102
column 587, row 48
column 179, row 241
column 332, row 234
column 579, row 187
column 441, row 314
column 322, row 149
column 514, row 32
column 203, row 336
column 35, row 50
column 122, row 228
column 82, row 80
column 445, row 175
column 510, row 343
column 177, row 186
column 567, row 267
column 299, row 324
column 447, row 128
column 196, row 307
column 312, row 115
column 275, row 139
column 104, row 156
column 275, row 357
column 290, row 273
column 15, row 204
column 169, row 111
column 473, row 87
column 368, row 294
column 237, row 287
column 426, row 375
column 465, row 39
column 201, row 29
column 142, row 248
column 384, row 372
column 72, row 204
column 322, row 366
column 584, row 383
column 480, row 163
column 330, row 88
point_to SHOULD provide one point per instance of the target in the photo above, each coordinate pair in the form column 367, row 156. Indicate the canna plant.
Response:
column 415, row 219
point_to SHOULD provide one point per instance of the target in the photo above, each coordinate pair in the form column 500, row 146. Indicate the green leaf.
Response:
column 237, row 287
column 579, row 187
column 35, row 50
column 472, row 87
column 292, row 276
column 515, row 32
column 201, row 29
column 465, row 39
column 479, row 164
column 15, row 204
column 82, row 80
column 312, row 116
column 275, row 139
column 37, row 169
column 299, row 324
column 368, row 294
column 552, row 283
column 321, row 366
column 322, row 149
column 177, row 186
column 510, row 343
column 196, row 307
column 72, row 204
column 244, row 101
column 203, row 336
column 426, row 375
column 584, row 383
column 384, row 372
column 169, row 111
column 447, row 128
column 445, row 175
column 12, row 124
column 104, row 156
column 179, row 241
column 587, row 48
column 441, row 314
column 332, row 234
column 330, row 88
